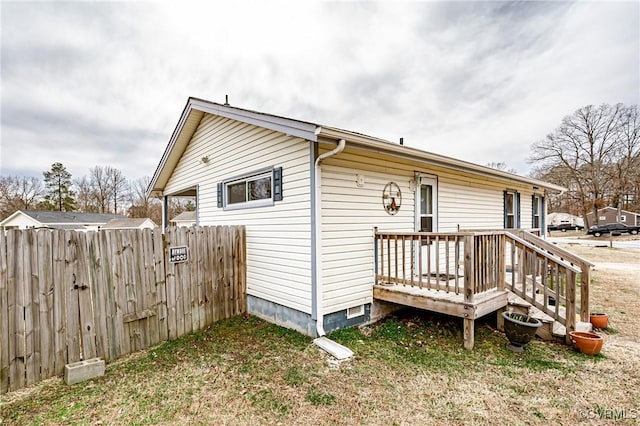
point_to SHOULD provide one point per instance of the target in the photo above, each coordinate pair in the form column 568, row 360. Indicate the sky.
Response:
column 104, row 83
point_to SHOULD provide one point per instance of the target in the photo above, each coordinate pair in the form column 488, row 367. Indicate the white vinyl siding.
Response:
column 350, row 212
column 278, row 235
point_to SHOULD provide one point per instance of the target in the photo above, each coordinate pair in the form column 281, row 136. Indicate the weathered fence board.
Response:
column 67, row 296
column 4, row 317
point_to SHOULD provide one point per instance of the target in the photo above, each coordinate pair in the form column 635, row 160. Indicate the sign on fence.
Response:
column 178, row 254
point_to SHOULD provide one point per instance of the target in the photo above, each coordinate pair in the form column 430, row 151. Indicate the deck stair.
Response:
column 551, row 329
column 471, row 273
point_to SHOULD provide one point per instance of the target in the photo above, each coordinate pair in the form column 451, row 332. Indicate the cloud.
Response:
column 105, row 83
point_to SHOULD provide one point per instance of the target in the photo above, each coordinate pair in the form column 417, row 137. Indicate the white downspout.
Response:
column 318, row 232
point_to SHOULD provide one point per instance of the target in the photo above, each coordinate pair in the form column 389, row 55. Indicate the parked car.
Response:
column 564, row 227
column 613, row 229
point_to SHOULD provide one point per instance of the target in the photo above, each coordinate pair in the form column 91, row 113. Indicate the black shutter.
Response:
column 533, row 211
column 517, row 200
column 277, row 184
column 504, row 209
column 543, row 216
column 220, row 189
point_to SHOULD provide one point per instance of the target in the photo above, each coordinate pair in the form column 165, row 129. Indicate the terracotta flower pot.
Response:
column 587, row 343
column 519, row 329
column 599, row 320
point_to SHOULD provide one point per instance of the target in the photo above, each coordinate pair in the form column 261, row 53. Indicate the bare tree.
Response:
column 118, row 185
column 142, row 204
column 584, row 145
column 101, row 188
column 85, row 195
column 19, row 193
column 625, row 171
column 502, row 166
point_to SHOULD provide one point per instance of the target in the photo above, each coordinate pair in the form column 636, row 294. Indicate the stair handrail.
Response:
column 543, row 253
column 562, row 253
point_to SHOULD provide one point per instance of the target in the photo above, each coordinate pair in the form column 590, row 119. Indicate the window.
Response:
column 623, row 218
column 254, row 190
column 511, row 209
column 537, row 213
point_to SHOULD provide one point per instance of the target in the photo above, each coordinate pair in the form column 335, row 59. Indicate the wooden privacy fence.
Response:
column 67, row 296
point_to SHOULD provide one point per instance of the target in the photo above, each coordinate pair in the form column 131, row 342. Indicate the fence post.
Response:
column 4, row 317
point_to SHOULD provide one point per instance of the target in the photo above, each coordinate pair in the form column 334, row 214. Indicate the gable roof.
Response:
column 55, row 217
column 195, row 109
column 47, row 217
column 615, row 209
column 185, row 216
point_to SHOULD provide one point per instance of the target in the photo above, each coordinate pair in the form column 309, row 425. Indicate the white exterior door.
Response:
column 426, row 215
column 426, row 204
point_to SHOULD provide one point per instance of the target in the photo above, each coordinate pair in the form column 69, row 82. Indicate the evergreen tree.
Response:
column 59, row 196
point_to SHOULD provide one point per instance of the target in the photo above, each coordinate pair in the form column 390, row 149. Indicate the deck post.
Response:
column 468, row 332
column 585, row 278
column 469, row 263
column 469, row 286
column 502, row 260
column 375, row 252
column 571, row 305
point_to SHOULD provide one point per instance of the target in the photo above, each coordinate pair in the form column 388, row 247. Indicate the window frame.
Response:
column 432, row 181
column 246, row 178
column 515, row 209
column 537, row 203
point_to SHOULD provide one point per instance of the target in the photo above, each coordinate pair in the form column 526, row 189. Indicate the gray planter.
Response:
column 519, row 329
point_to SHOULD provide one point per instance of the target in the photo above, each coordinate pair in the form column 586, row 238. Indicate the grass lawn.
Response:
column 409, row 369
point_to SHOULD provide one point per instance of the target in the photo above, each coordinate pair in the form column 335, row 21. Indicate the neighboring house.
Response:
column 610, row 215
column 310, row 196
column 559, row 218
column 130, row 223
column 184, row 219
column 25, row 219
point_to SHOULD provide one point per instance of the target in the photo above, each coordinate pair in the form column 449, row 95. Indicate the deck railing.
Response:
column 465, row 263
column 554, row 273
column 473, row 262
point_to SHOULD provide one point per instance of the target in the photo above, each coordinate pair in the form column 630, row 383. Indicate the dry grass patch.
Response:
column 408, row 369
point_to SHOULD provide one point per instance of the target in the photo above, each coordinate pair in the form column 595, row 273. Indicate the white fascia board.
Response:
column 284, row 125
column 169, row 151
column 383, row 146
column 18, row 213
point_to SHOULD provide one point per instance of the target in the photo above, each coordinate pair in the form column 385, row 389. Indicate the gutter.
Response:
column 318, row 234
column 402, row 151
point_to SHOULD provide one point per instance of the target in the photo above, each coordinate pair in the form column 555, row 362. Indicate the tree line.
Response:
column 595, row 153
column 104, row 190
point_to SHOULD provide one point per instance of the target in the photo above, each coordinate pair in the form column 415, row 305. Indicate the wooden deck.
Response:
column 442, row 302
column 471, row 274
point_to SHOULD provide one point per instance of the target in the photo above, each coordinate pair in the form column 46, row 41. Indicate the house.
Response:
column 610, row 215
column 187, row 218
column 130, row 223
column 562, row 218
column 24, row 219
column 313, row 198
